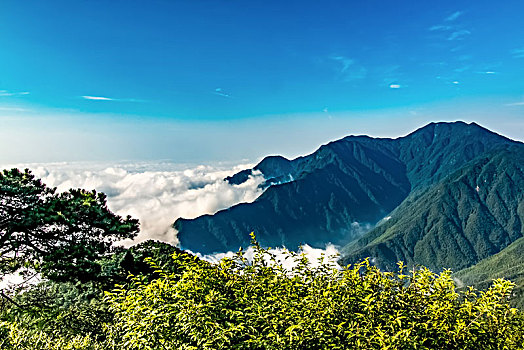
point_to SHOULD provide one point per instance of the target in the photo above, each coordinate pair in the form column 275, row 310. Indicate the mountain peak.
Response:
column 435, row 150
column 455, row 128
column 333, row 194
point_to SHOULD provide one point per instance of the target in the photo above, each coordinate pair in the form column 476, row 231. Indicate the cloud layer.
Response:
column 155, row 193
column 158, row 193
column 281, row 256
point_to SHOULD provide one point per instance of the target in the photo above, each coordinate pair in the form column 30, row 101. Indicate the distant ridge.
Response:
column 343, row 189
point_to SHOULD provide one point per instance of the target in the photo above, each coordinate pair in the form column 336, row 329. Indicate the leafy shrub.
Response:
column 62, row 309
column 241, row 304
column 13, row 336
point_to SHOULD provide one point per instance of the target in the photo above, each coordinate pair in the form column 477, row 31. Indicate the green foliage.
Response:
column 132, row 261
column 14, row 337
column 239, row 304
column 62, row 309
column 61, row 235
column 508, row 264
column 69, row 310
column 470, row 215
column 68, row 239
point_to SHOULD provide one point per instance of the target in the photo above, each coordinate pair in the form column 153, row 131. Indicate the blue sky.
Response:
column 213, row 80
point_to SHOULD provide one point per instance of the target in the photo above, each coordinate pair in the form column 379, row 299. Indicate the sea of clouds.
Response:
column 159, row 192
column 156, row 193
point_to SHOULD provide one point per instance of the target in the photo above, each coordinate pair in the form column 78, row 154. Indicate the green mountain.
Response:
column 507, row 264
column 468, row 216
column 341, row 190
column 326, row 196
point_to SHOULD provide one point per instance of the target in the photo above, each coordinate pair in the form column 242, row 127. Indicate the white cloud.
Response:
column 220, row 92
column 359, row 229
column 395, row 86
column 97, row 98
column 103, row 98
column 447, row 26
column 459, row 34
column 155, row 193
column 327, row 255
column 453, row 16
column 5, row 93
column 391, row 74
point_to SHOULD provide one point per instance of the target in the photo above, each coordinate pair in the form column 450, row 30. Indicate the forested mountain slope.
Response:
column 507, row 264
column 341, row 190
column 466, row 217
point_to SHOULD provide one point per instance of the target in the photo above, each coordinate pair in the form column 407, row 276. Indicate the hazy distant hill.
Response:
column 333, row 194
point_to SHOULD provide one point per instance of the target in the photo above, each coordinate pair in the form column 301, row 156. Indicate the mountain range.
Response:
column 448, row 195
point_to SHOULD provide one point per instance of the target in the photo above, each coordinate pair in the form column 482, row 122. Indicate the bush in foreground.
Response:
column 241, row 304
column 258, row 304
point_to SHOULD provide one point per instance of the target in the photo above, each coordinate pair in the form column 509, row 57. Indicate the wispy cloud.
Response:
column 13, row 109
column 348, row 68
column 390, row 73
column 221, row 92
column 345, row 61
column 446, row 25
column 459, row 34
column 396, row 86
column 521, row 103
column 453, row 16
column 104, row 98
column 450, row 29
column 97, row 98
column 488, row 72
column 5, row 93
column 440, row 27
column 326, row 112
column 518, row 53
